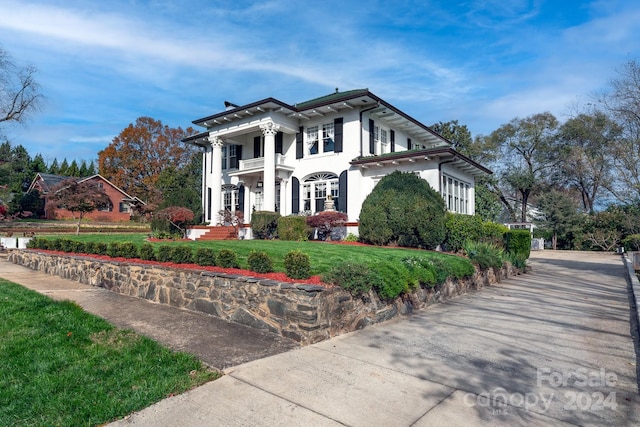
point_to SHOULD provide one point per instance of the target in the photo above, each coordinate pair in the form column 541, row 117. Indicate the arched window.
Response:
column 315, row 189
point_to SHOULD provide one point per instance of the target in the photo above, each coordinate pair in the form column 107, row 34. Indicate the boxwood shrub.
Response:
column 293, row 228
column 297, row 265
column 264, row 224
column 164, row 253
column 260, row 262
column 227, row 258
column 518, row 244
column 181, row 254
column 146, row 252
column 205, row 257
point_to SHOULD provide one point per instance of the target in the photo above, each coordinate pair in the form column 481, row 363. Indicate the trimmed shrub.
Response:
column 493, row 232
column 518, row 244
column 260, row 262
column 164, row 253
column 90, row 247
column 297, row 265
column 326, row 222
column 460, row 229
column 293, row 228
column 181, row 254
column 77, row 247
column 113, row 249
column 403, row 210
column 205, row 257
column 146, row 252
column 100, row 248
column 227, row 258
column 485, row 255
column 356, row 278
column 54, row 245
column 65, row 245
column 264, row 224
column 129, row 250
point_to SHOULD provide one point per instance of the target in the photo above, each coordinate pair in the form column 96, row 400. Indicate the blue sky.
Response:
column 483, row 62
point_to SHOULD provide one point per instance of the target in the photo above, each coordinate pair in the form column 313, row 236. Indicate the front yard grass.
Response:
column 60, row 365
column 323, row 255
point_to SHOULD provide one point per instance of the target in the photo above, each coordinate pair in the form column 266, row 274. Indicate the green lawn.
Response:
column 322, row 255
column 60, row 366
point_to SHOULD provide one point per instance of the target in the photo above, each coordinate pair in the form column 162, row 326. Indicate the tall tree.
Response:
column 73, row 169
column 623, row 101
column 64, row 167
column 19, row 92
column 585, row 150
column 137, row 156
column 182, row 187
column 79, row 197
column 54, row 167
column 525, row 158
column 558, row 213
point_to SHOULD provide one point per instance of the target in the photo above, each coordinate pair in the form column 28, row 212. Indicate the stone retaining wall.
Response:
column 305, row 313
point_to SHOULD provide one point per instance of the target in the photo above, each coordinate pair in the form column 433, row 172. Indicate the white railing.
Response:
column 258, row 163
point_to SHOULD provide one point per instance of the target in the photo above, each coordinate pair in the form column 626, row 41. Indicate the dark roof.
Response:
column 443, row 152
column 49, row 181
column 334, row 97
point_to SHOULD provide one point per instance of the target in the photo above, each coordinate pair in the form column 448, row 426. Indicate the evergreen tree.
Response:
column 54, row 167
column 73, row 169
column 64, row 166
column 38, row 164
column 83, row 169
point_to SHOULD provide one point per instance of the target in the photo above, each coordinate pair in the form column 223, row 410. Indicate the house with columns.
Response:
column 289, row 158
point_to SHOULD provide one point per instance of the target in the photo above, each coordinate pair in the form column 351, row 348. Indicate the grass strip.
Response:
column 61, row 366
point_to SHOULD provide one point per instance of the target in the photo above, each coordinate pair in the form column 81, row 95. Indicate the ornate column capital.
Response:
column 215, row 141
column 269, row 128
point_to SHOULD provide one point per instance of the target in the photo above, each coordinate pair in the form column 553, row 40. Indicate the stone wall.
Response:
column 305, row 313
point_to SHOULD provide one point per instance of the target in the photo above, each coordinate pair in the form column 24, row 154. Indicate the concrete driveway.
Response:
column 552, row 347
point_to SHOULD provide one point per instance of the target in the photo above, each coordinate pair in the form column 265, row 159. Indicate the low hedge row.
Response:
column 391, row 279
column 297, row 264
column 388, row 279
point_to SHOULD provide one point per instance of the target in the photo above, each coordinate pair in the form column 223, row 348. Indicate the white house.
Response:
column 269, row 155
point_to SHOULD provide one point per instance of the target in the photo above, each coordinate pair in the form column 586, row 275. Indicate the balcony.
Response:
column 251, row 165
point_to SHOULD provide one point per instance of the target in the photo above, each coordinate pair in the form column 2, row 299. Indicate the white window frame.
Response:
column 320, row 139
column 229, row 152
column 456, row 194
column 316, row 187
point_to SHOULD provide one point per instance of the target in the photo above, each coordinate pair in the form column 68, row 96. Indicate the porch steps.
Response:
column 219, row 233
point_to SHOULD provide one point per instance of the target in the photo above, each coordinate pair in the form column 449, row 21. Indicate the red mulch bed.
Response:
column 280, row 277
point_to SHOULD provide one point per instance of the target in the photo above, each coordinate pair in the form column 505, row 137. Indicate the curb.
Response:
column 635, row 288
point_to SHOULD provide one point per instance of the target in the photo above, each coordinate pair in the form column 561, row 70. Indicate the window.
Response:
column 231, row 198
column 124, row 207
column 312, row 139
column 455, row 194
column 106, row 208
column 328, row 138
column 315, row 190
column 383, row 136
column 229, row 157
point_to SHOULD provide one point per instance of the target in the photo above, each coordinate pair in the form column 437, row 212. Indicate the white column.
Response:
column 269, row 130
column 216, row 174
column 284, row 209
column 247, row 204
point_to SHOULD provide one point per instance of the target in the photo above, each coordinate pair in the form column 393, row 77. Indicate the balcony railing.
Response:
column 258, row 163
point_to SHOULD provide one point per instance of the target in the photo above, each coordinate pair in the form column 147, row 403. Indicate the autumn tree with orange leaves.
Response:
column 137, row 156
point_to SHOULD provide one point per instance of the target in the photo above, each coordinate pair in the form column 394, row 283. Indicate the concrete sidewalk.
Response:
column 552, row 347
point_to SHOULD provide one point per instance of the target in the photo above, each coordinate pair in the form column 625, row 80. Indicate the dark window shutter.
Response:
column 295, row 195
column 372, row 142
column 279, row 137
column 337, row 131
column 299, row 143
column 393, row 140
column 240, row 199
column 239, row 153
column 319, row 204
column 342, row 192
column 209, row 204
column 409, row 146
column 256, row 146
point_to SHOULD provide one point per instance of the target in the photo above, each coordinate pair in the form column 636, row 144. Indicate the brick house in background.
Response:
column 118, row 210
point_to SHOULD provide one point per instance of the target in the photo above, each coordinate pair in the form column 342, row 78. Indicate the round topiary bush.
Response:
column 403, row 210
column 297, row 265
column 260, row 262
